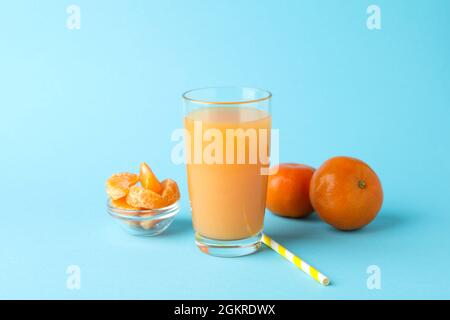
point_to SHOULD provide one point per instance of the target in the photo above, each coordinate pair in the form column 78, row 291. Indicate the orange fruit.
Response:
column 346, row 193
column 170, row 193
column 288, row 190
column 148, row 179
column 138, row 196
column 118, row 184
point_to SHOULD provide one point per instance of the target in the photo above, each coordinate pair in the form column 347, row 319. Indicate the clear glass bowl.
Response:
column 145, row 222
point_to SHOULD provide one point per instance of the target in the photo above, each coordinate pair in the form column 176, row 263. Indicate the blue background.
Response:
column 78, row 105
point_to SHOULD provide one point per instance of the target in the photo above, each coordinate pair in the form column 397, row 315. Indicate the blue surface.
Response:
column 78, row 105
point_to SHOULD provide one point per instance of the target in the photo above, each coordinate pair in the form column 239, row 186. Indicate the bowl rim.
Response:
column 135, row 215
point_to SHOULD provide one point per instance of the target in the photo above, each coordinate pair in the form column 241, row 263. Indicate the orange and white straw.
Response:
column 302, row 265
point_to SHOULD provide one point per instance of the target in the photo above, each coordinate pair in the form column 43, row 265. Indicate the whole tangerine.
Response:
column 288, row 190
column 346, row 193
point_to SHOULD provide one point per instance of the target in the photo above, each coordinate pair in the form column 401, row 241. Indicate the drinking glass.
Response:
column 227, row 144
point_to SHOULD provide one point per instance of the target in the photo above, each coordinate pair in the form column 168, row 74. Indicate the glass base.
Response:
column 228, row 248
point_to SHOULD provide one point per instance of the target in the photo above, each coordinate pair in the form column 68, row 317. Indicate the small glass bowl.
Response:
column 145, row 222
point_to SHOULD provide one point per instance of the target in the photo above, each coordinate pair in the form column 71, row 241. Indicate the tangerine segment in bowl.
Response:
column 148, row 224
column 138, row 196
column 123, row 204
column 118, row 184
column 170, row 192
column 148, row 179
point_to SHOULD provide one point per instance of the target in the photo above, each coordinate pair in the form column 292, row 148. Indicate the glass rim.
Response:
column 267, row 96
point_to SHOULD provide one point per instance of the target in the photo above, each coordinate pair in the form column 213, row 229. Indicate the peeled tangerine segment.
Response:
column 170, row 193
column 138, row 196
column 148, row 179
column 149, row 223
column 123, row 204
column 118, row 184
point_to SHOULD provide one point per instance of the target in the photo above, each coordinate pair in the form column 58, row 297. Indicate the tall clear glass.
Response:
column 227, row 153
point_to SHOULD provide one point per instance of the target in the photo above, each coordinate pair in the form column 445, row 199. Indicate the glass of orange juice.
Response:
column 227, row 140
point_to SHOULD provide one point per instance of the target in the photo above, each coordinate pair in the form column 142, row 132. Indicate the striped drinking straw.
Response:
column 302, row 265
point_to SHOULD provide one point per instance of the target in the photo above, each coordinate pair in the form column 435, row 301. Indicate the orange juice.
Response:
column 227, row 194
